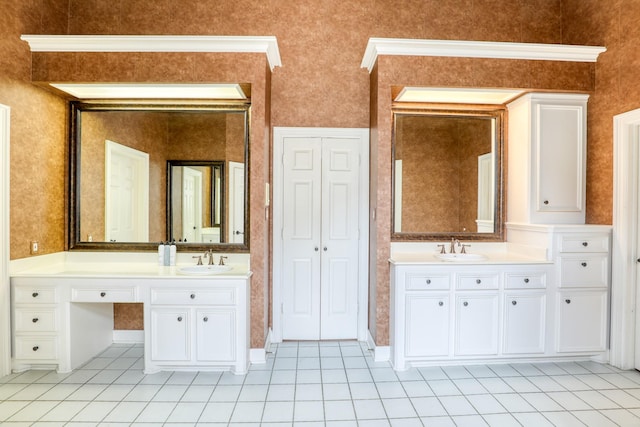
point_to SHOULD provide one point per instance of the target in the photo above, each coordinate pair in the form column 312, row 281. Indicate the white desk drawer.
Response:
column 127, row 294
column 36, row 348
column 34, row 295
column 220, row 296
column 584, row 243
column 525, row 280
column 588, row 270
column 35, row 320
column 479, row 281
column 427, row 282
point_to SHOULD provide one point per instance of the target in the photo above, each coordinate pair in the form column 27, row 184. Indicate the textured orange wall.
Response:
column 613, row 24
column 38, row 130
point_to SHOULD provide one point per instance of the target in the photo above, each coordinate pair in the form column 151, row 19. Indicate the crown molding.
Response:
column 478, row 49
column 125, row 43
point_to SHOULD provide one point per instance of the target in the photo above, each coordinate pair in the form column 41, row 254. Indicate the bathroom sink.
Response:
column 461, row 257
column 204, row 270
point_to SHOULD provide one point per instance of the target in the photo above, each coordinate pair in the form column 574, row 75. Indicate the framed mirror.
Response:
column 447, row 174
column 127, row 161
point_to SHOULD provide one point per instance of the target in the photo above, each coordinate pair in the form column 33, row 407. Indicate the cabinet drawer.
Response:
column 525, row 280
column 427, row 282
column 33, row 295
column 35, row 320
column 127, row 294
column 221, row 296
column 478, row 281
column 584, row 243
column 589, row 270
column 36, row 348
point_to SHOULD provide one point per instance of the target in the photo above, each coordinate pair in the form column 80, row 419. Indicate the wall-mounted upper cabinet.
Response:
column 547, row 144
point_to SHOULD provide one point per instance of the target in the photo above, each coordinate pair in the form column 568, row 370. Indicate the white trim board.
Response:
column 477, row 49
column 5, row 321
column 626, row 159
column 165, row 43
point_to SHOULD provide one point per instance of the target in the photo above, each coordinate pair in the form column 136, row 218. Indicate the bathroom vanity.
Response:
column 511, row 306
column 63, row 315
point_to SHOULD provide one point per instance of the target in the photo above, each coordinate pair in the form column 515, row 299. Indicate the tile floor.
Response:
column 322, row 384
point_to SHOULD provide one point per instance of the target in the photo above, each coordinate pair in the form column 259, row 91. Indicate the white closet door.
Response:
column 339, row 266
column 301, row 238
column 320, row 238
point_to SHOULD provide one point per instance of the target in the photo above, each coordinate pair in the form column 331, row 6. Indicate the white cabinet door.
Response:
column 170, row 334
column 561, row 147
column 476, row 324
column 582, row 321
column 427, row 324
column 524, row 323
column 215, row 335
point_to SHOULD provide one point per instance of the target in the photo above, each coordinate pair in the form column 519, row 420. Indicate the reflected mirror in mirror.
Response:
column 447, row 175
column 195, row 197
column 121, row 192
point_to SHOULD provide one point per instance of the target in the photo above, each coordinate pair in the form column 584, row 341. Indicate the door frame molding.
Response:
column 5, row 306
column 626, row 139
column 362, row 134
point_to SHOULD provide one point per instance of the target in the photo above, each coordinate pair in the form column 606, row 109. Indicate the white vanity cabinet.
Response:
column 60, row 321
column 547, row 159
column 583, row 290
column 459, row 312
column 198, row 325
column 36, row 325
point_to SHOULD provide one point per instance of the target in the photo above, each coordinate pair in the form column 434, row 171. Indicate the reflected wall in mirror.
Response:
column 195, row 197
column 120, row 196
column 447, row 174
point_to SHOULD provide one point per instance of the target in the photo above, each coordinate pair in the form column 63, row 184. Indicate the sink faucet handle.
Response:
column 464, row 248
column 199, row 259
column 442, row 251
column 222, row 258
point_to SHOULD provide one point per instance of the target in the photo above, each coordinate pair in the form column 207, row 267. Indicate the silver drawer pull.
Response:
column 35, row 294
column 568, row 301
column 440, row 303
column 465, row 303
column 526, row 280
column 192, row 296
column 514, row 302
column 205, row 319
column 478, row 281
column 585, row 244
column 103, row 294
column 179, row 318
column 428, row 281
column 35, row 320
column 35, row 348
column 584, row 264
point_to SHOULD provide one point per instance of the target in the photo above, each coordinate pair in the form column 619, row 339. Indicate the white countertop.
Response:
column 490, row 259
column 121, row 265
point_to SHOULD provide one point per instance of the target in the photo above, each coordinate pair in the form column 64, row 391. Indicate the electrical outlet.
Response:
column 34, row 247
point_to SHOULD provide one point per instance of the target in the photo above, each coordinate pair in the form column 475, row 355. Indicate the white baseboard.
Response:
column 380, row 353
column 258, row 356
column 133, row 337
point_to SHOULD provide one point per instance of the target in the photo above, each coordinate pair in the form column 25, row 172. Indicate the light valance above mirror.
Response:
column 121, row 159
column 447, row 174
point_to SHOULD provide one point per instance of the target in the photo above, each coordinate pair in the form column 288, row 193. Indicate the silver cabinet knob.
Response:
column 192, row 296
column 568, row 301
column 526, row 280
column 585, row 244
column 465, row 303
column 514, row 302
column 205, row 319
column 428, row 281
column 35, row 348
column 35, row 294
column 179, row 318
column 440, row 303
column 103, row 294
column 35, row 320
column 478, row 281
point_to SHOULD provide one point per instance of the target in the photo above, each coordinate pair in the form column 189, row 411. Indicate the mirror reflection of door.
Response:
column 191, row 204
column 127, row 194
column 236, row 202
